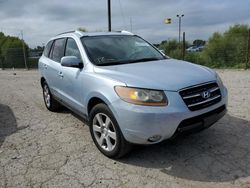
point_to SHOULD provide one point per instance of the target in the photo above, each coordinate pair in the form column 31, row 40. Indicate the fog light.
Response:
column 154, row 138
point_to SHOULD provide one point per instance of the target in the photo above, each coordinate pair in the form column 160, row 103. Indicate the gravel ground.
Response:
column 39, row 148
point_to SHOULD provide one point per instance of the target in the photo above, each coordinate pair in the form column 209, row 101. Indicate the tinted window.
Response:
column 47, row 48
column 58, row 50
column 72, row 49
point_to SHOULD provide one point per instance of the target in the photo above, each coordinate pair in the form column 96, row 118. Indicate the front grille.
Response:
column 195, row 98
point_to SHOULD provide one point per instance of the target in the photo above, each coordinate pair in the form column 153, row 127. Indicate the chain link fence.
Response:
column 14, row 52
column 18, row 58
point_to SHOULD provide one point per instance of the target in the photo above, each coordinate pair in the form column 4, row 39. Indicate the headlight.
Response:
column 219, row 79
column 145, row 97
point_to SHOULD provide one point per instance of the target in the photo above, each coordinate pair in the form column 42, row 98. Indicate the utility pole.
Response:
column 131, row 26
column 24, row 54
column 109, row 15
column 179, row 16
column 1, row 60
column 248, row 49
column 183, row 46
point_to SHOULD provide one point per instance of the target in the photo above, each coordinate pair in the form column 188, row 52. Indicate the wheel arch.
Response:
column 93, row 101
column 42, row 80
column 95, row 98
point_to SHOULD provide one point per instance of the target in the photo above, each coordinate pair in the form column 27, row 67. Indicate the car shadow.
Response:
column 65, row 110
column 8, row 124
column 218, row 154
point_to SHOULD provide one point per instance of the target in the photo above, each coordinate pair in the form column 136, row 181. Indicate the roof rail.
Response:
column 66, row 32
column 78, row 32
column 126, row 32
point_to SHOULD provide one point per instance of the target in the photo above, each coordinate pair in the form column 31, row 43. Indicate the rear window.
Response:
column 47, row 49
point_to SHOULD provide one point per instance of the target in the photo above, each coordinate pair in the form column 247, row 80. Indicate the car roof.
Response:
column 81, row 34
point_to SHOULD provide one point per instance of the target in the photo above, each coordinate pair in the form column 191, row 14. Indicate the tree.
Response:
column 82, row 29
column 172, row 48
column 222, row 49
column 11, row 51
column 227, row 49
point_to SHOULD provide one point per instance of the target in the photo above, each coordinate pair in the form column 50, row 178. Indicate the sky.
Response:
column 40, row 20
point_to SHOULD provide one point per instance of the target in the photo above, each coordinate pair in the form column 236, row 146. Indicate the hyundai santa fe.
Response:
column 128, row 91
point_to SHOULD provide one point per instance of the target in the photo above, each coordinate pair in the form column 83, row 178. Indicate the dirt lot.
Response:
column 43, row 149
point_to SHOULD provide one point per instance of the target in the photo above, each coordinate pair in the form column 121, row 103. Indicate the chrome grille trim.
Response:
column 214, row 89
column 208, row 100
column 193, row 98
column 197, row 95
column 194, row 86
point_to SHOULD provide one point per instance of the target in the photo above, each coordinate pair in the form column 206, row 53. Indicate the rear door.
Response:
column 54, row 69
column 44, row 61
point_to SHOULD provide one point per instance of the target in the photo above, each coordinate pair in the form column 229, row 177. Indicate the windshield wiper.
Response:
column 111, row 63
column 127, row 62
column 143, row 60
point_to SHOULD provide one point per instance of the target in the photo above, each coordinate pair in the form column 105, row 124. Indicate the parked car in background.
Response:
column 129, row 92
column 200, row 48
column 192, row 49
column 195, row 48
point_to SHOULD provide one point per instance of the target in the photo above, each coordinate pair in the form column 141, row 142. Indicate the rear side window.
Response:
column 57, row 50
column 47, row 49
column 71, row 48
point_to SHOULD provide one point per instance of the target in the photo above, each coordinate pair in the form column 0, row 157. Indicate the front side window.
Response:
column 57, row 50
column 71, row 48
column 47, row 49
column 119, row 49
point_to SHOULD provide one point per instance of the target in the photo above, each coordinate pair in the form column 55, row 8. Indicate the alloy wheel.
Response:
column 104, row 132
column 46, row 95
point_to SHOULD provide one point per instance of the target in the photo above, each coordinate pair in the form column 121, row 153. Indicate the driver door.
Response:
column 72, row 87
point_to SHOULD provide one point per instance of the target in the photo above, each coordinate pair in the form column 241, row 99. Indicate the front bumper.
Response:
column 139, row 123
column 200, row 122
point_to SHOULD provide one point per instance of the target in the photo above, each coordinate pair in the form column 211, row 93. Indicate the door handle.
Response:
column 60, row 74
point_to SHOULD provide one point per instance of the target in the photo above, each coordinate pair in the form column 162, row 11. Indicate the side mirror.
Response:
column 71, row 61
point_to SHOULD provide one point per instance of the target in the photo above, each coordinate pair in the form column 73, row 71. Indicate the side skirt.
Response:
column 80, row 115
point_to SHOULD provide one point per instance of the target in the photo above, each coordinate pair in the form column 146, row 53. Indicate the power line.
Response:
column 24, row 54
column 122, row 13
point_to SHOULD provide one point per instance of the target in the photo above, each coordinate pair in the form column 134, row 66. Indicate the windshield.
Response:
column 119, row 49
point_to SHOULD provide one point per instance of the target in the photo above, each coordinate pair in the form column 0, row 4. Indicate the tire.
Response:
column 49, row 101
column 106, row 133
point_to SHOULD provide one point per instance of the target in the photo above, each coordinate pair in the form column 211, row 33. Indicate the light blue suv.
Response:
column 129, row 92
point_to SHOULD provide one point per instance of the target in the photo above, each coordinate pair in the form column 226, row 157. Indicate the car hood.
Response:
column 168, row 74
